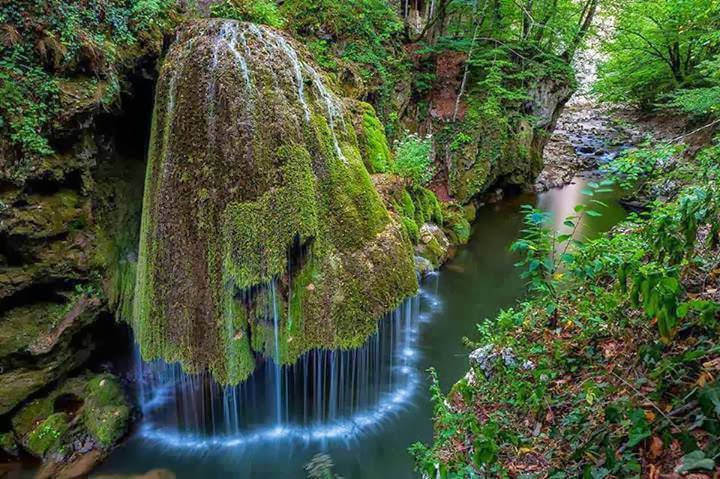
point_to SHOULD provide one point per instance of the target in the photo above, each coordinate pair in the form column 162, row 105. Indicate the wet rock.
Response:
column 423, row 266
column 486, row 358
column 39, row 341
column 432, row 245
column 75, row 426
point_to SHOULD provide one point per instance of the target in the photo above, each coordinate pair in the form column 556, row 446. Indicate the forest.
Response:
column 360, row 239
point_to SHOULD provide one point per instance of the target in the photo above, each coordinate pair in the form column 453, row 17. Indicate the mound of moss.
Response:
column 259, row 210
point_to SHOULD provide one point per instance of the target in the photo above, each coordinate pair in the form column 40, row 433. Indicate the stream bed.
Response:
column 372, row 441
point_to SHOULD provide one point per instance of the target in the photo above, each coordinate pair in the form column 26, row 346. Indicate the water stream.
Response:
column 362, row 407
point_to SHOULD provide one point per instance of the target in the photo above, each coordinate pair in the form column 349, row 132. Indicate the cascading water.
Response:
column 251, row 157
column 327, row 394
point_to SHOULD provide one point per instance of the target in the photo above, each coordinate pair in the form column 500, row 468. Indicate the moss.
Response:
column 470, row 212
column 47, row 434
column 237, row 186
column 21, row 326
column 456, row 224
column 8, row 443
column 102, row 407
column 372, row 141
column 488, row 146
column 427, row 206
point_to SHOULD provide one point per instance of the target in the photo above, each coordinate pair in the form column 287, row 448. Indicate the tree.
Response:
column 657, row 48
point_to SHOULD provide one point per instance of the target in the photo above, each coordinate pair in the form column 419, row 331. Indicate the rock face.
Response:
column 262, row 233
column 485, row 143
column 74, row 426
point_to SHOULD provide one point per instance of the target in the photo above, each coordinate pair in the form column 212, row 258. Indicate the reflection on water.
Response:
column 478, row 282
column 561, row 204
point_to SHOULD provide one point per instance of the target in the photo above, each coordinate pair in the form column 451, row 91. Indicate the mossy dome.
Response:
column 259, row 214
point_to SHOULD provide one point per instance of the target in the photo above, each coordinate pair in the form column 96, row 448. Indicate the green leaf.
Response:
column 695, row 460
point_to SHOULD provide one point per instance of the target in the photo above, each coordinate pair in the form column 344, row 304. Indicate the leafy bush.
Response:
column 659, row 47
column 42, row 43
column 632, row 166
column 413, row 159
column 256, row 11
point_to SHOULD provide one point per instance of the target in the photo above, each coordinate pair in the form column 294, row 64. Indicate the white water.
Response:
column 325, row 395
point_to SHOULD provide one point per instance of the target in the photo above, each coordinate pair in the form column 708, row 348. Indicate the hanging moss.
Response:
column 371, row 139
column 252, row 159
column 456, row 225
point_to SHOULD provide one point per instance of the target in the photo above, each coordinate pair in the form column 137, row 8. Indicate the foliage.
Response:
column 355, row 39
column 625, row 380
column 660, row 47
column 634, row 165
column 449, row 424
column 44, row 43
column 547, row 252
column 413, row 159
column 257, row 11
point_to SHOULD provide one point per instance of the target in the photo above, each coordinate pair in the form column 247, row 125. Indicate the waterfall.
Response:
column 252, row 160
column 326, row 394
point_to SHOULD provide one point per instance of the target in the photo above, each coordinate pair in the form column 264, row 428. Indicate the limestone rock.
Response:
column 433, row 245
column 486, row 358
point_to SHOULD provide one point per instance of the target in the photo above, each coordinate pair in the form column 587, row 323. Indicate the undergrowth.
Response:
column 615, row 355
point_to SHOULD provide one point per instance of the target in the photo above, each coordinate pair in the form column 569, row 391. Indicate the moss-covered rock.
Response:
column 8, row 445
column 433, row 245
column 456, row 224
column 106, row 411
column 35, row 345
column 258, row 207
column 84, row 413
column 501, row 144
column 47, row 435
column 373, row 144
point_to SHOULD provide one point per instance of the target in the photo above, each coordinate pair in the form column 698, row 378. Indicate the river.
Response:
column 472, row 287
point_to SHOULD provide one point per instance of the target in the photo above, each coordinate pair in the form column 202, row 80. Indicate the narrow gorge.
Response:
column 363, row 239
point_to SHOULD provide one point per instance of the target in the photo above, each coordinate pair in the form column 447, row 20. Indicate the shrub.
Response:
column 256, row 11
column 413, row 159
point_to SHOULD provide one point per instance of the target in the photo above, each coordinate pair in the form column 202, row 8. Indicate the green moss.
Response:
column 372, row 141
column 104, row 413
column 456, row 224
column 47, row 434
column 488, row 145
column 262, row 178
column 427, row 206
column 257, row 233
column 22, row 326
column 30, row 415
column 8, row 443
column 411, row 228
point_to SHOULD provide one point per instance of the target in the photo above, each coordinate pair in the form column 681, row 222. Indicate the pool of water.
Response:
column 369, row 441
